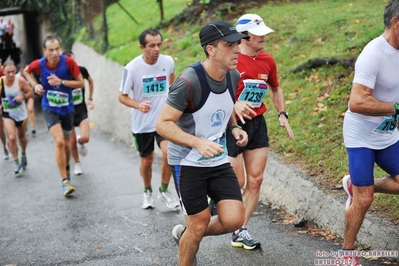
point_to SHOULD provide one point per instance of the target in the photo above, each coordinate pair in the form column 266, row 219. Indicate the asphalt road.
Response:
column 103, row 223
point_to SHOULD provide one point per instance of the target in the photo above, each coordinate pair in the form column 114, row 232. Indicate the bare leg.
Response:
column 2, row 133
column 166, row 172
column 23, row 141
column 11, row 130
column 31, row 112
column 146, row 169
column 60, row 149
column 255, row 164
column 354, row 216
column 74, row 148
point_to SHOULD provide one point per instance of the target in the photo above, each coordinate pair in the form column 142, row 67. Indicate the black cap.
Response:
column 220, row 30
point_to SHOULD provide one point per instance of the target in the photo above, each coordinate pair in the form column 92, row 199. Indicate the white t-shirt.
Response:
column 377, row 68
column 144, row 82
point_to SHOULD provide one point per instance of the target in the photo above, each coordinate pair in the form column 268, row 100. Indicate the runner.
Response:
column 147, row 78
column 14, row 91
column 59, row 74
column 80, row 118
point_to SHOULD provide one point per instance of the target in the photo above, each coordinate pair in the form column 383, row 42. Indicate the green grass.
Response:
column 315, row 99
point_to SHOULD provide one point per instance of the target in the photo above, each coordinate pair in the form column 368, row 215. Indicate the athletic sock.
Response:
column 16, row 161
column 164, row 187
column 148, row 189
column 23, row 153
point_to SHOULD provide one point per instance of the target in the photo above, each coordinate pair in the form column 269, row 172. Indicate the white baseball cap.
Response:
column 253, row 24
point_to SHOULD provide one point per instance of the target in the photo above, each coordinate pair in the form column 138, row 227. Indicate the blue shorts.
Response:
column 361, row 163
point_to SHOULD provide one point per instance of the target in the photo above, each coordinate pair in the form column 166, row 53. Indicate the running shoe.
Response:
column 347, row 184
column 6, row 155
column 244, row 239
column 24, row 162
column 33, row 132
column 148, row 201
column 81, row 147
column 177, row 232
column 17, row 169
column 67, row 188
column 78, row 169
column 170, row 201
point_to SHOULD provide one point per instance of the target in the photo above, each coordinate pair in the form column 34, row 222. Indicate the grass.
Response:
column 315, row 98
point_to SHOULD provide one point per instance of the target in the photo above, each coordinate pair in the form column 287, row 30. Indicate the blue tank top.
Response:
column 57, row 99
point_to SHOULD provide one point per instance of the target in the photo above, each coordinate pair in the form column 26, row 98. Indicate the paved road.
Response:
column 103, row 223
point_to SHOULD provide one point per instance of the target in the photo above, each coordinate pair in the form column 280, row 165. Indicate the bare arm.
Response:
column 171, row 78
column 75, row 83
column 143, row 107
column 361, row 101
column 25, row 88
column 166, row 126
column 277, row 97
column 91, row 91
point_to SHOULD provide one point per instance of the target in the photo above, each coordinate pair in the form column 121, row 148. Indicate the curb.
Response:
column 288, row 188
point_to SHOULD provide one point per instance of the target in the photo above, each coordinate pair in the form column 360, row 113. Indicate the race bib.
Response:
column 154, row 85
column 387, row 126
column 9, row 104
column 254, row 91
column 57, row 98
column 220, row 139
column 77, row 96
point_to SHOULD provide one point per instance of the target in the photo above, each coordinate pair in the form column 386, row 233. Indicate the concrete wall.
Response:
column 109, row 114
column 283, row 186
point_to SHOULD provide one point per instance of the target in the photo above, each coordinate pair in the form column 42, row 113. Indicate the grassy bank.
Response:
column 315, row 98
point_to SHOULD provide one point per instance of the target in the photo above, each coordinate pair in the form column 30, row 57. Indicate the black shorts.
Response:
column 17, row 123
column 257, row 136
column 78, row 117
column 53, row 118
column 194, row 184
column 144, row 142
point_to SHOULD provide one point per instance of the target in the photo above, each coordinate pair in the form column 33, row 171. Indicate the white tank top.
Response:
column 17, row 111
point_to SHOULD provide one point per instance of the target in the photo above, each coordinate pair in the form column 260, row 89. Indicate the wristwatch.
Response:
column 283, row 113
column 62, row 82
column 235, row 126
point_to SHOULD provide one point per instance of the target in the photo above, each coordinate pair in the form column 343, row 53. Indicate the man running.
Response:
column 147, row 78
column 14, row 90
column 81, row 118
column 59, row 74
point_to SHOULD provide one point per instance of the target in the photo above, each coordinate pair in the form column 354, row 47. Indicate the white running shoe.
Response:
column 170, row 201
column 81, row 147
column 78, row 169
column 148, row 201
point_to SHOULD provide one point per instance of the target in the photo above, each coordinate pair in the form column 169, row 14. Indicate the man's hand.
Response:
column 38, row 88
column 241, row 136
column 53, row 80
column 244, row 110
column 208, row 148
column 145, row 106
column 284, row 123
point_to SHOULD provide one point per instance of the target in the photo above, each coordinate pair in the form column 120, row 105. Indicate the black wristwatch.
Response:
column 283, row 113
column 62, row 82
column 235, row 126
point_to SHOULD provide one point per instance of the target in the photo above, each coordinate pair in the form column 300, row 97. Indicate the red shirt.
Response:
column 261, row 67
column 73, row 68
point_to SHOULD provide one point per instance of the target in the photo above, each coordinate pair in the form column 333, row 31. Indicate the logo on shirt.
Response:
column 262, row 76
column 218, row 117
